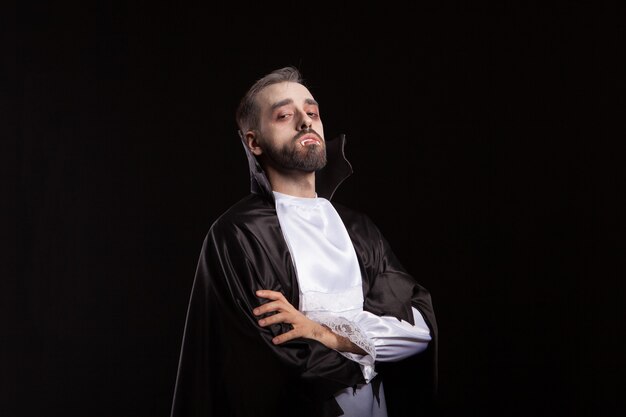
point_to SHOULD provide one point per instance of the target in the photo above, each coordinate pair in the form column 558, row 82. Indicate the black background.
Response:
column 482, row 147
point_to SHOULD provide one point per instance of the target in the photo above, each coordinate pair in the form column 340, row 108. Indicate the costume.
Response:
column 228, row 364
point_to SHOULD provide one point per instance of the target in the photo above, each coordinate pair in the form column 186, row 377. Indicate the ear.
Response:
column 252, row 143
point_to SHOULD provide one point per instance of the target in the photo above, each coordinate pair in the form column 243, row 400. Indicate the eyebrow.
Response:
column 290, row 101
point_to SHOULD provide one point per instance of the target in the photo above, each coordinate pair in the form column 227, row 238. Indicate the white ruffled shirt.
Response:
column 331, row 293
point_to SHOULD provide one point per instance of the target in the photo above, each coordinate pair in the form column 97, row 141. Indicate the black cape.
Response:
column 228, row 364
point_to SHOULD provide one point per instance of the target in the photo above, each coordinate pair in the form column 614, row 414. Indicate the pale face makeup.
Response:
column 290, row 132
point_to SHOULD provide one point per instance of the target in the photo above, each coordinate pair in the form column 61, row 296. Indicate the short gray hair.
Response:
column 247, row 115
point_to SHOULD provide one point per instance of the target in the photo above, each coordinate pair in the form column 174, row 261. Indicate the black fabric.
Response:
column 228, row 364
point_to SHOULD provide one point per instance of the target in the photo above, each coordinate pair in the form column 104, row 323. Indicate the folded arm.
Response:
column 284, row 312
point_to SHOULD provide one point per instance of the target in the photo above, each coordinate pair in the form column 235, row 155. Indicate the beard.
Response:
column 293, row 156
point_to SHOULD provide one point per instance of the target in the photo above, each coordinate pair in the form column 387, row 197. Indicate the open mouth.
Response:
column 309, row 140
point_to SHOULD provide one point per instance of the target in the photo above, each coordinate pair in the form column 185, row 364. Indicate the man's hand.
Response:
column 302, row 325
column 286, row 313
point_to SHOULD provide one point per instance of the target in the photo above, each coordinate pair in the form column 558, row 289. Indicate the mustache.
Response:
column 307, row 131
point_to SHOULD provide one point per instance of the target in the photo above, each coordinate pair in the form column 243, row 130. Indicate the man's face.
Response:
column 290, row 134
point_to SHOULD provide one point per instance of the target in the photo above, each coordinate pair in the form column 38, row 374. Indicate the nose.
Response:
column 305, row 121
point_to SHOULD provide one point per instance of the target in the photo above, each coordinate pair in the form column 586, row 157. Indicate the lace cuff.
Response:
column 350, row 330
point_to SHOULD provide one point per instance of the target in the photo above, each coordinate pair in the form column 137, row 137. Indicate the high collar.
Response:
column 327, row 180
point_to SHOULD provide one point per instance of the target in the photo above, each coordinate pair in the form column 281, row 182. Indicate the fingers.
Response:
column 269, row 307
column 279, row 303
column 285, row 337
column 307, row 330
column 276, row 318
column 285, row 313
column 266, row 308
column 283, row 317
column 272, row 295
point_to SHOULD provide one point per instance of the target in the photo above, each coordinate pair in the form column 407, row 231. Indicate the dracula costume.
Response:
column 228, row 364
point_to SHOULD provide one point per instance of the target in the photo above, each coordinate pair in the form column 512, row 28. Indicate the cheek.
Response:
column 319, row 128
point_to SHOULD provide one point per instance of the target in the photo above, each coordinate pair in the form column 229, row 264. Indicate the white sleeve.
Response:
column 353, row 332
column 384, row 338
column 394, row 339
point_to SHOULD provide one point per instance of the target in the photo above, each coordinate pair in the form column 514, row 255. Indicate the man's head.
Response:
column 280, row 123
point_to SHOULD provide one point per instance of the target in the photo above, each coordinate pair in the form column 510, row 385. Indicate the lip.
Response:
column 310, row 139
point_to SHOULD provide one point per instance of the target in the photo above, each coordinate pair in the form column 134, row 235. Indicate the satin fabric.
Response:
column 228, row 365
column 394, row 339
column 326, row 265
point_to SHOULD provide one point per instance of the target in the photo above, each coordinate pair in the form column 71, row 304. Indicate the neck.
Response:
column 295, row 183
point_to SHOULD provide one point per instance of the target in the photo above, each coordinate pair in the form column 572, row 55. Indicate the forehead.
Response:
column 276, row 93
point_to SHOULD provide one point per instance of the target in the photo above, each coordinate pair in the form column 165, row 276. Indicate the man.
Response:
column 298, row 303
